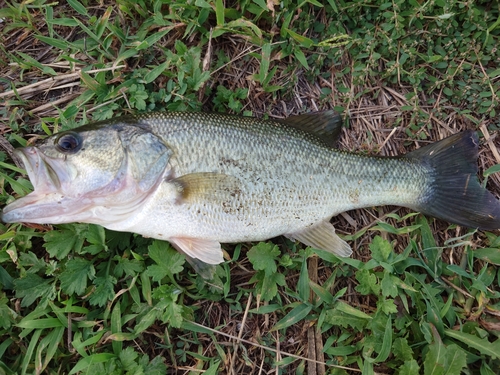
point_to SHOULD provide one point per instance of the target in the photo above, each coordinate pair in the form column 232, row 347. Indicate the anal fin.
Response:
column 322, row 236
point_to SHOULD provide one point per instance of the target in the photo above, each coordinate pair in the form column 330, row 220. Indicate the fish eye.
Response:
column 69, row 143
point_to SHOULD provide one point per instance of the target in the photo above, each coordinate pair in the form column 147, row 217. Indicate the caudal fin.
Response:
column 455, row 194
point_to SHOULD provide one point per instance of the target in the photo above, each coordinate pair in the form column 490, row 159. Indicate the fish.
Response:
column 200, row 179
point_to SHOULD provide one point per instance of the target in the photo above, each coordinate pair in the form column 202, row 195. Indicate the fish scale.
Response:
column 324, row 183
column 199, row 179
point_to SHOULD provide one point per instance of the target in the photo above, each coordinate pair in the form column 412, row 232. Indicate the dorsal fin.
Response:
column 325, row 125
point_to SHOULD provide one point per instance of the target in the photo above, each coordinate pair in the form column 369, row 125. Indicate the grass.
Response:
column 419, row 296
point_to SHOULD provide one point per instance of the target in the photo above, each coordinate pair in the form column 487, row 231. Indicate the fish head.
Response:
column 94, row 174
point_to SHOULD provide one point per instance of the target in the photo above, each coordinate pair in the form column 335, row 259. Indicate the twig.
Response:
column 51, row 104
column 271, row 349
column 9, row 149
column 393, row 131
column 240, row 333
column 278, row 352
column 457, row 288
column 487, row 137
column 49, row 82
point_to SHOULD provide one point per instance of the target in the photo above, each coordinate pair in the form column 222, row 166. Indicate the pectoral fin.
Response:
column 207, row 251
column 322, row 236
column 207, row 186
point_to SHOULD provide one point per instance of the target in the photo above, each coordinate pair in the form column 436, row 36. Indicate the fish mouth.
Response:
column 46, row 204
column 41, row 174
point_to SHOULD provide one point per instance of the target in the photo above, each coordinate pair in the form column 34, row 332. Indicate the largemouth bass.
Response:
column 198, row 180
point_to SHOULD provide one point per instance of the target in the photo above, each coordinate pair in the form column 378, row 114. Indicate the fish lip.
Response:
column 28, row 209
column 46, row 190
column 39, row 169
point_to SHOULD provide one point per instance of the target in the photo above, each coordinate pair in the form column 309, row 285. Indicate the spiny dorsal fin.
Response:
column 325, row 125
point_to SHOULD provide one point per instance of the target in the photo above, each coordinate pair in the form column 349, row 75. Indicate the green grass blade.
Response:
column 386, row 343
column 79, row 7
column 40, row 323
column 219, row 12
column 155, row 72
column 116, row 327
column 57, row 43
column 303, row 284
column 490, row 255
column 29, row 352
column 52, row 342
column 295, row 315
column 83, row 363
column 484, row 346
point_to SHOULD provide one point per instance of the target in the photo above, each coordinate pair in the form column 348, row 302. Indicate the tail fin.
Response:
column 455, row 194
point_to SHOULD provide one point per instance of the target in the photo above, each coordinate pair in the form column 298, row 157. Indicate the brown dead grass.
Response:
column 376, row 125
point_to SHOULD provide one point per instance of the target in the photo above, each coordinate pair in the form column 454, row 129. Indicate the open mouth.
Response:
column 46, row 199
column 42, row 176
